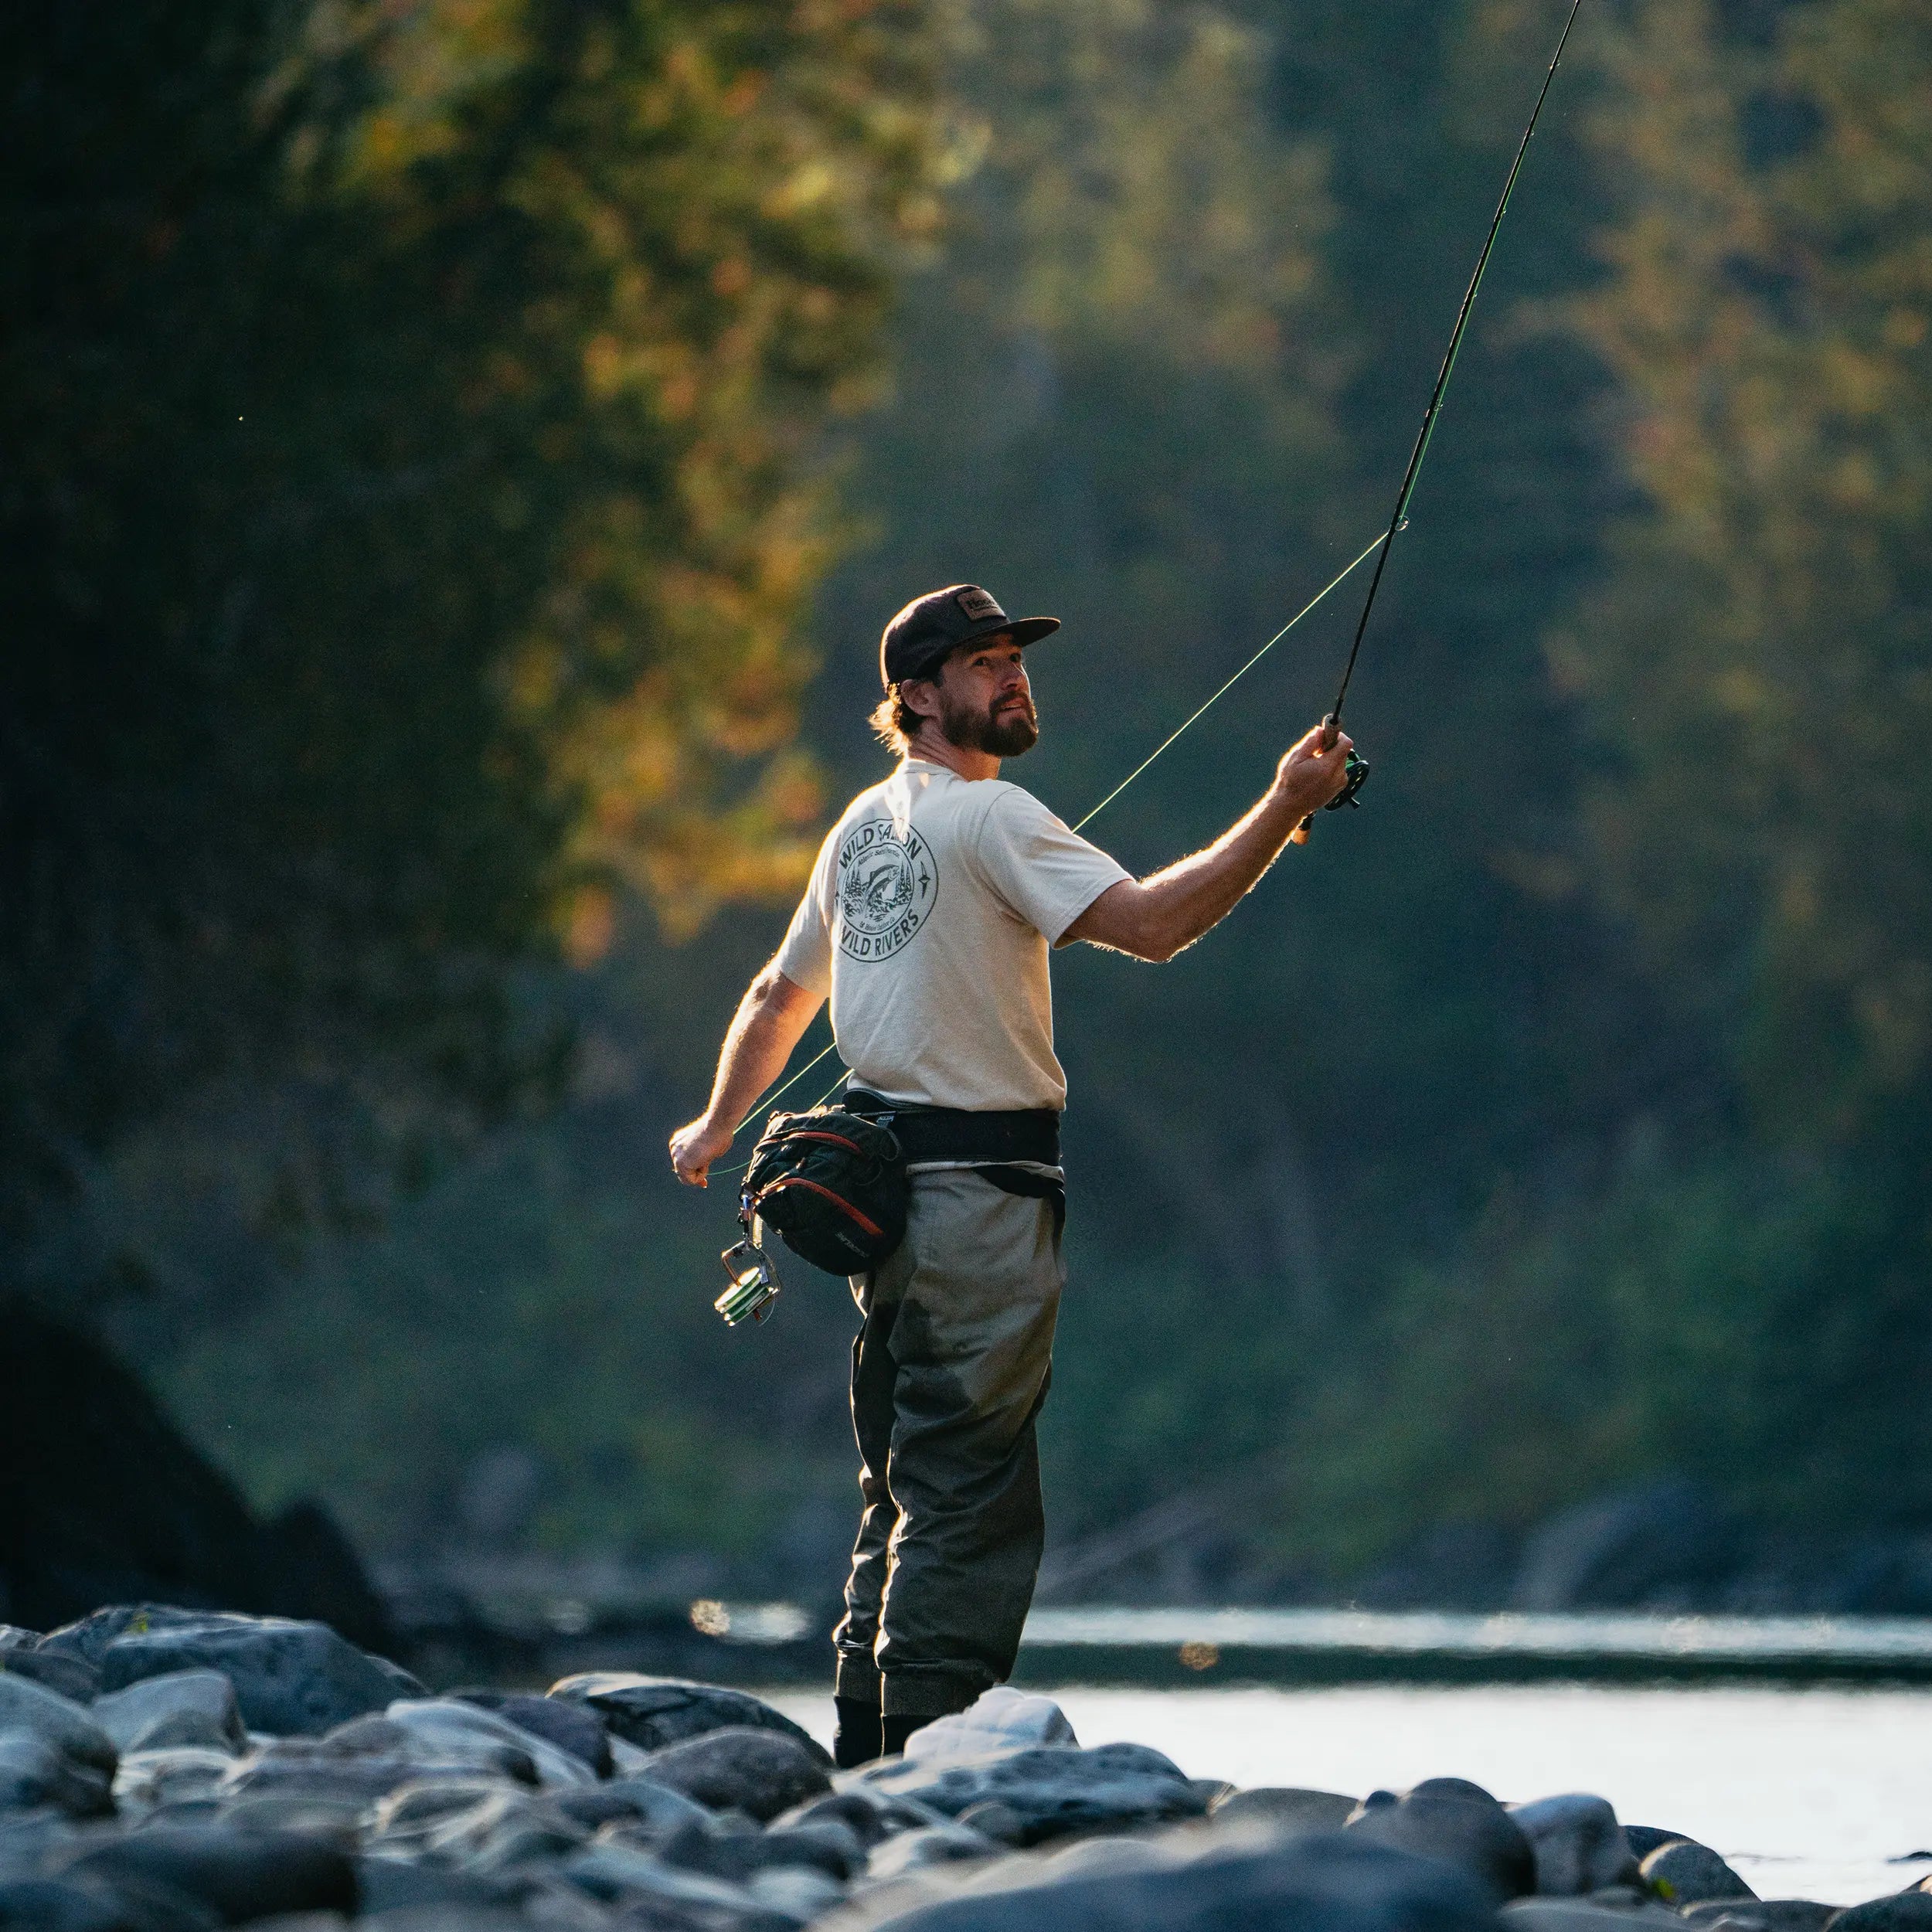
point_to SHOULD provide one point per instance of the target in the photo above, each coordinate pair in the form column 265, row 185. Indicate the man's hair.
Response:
column 894, row 722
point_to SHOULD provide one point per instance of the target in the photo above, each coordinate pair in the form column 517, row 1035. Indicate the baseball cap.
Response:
column 916, row 640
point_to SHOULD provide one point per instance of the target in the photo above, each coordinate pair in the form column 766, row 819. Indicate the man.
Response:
column 930, row 913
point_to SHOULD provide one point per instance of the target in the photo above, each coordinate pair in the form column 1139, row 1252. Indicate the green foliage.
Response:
column 408, row 517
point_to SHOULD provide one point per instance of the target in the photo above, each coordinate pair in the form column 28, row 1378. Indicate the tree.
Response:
column 411, row 508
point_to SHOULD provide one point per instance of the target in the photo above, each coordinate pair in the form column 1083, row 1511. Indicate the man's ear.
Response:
column 921, row 695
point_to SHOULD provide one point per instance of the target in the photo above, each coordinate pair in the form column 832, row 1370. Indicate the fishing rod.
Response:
column 1358, row 768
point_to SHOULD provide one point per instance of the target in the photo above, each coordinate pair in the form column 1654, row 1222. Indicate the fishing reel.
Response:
column 1355, row 775
column 753, row 1276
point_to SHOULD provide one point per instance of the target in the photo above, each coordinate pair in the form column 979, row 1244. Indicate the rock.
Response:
column 871, row 1816
column 1579, row 1845
column 71, row 1677
column 949, row 1844
column 291, row 1679
column 1336, row 1882
column 28, row 1706
column 36, row 1772
column 1284, row 1808
column 448, row 1727
column 1684, row 1871
column 1759, row 1915
column 649, row 1810
column 1460, row 1823
column 1046, row 1793
column 147, row 1779
column 1901, row 1912
column 760, row 1773
column 314, row 1772
column 194, row 1707
column 394, row 1886
column 1628, row 1547
column 571, row 1727
column 109, row 1502
column 237, row 1875
column 1584, row 1915
column 801, row 1892
column 828, row 1847
column 623, row 1875
column 1001, row 1719
column 652, row 1712
column 1644, row 1839
column 505, row 1829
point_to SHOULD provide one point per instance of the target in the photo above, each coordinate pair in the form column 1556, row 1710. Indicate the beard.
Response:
column 1002, row 731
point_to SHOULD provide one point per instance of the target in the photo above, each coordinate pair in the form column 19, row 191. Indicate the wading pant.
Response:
column 948, row 1373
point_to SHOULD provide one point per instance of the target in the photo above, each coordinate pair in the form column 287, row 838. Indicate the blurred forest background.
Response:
column 460, row 454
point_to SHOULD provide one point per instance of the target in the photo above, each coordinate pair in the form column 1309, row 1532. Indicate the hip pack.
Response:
column 833, row 1184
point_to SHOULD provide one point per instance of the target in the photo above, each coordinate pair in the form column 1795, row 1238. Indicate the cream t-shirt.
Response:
column 933, row 907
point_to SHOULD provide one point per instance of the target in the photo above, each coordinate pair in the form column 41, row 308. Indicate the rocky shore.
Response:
column 174, row 1771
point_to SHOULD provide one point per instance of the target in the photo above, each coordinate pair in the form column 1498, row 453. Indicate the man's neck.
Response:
column 935, row 748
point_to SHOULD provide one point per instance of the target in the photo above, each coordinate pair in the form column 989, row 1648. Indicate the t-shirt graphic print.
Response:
column 932, row 909
column 888, row 880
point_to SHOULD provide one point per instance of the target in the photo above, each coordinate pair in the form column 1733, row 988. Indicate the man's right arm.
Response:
column 1154, row 918
column 770, row 1021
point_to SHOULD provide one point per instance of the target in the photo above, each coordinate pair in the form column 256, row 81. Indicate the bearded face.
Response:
column 1004, row 725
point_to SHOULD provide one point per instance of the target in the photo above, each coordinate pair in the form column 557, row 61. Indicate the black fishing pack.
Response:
column 833, row 1184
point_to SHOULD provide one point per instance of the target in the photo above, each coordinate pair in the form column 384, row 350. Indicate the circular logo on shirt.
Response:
column 887, row 883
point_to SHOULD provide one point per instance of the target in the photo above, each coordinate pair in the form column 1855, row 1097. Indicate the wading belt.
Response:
column 992, row 1145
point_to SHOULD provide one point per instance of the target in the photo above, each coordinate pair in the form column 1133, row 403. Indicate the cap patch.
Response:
column 978, row 605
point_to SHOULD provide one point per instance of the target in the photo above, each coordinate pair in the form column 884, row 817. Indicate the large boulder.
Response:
column 35, row 1773
column 1285, row 1808
column 1457, row 1822
column 109, row 1502
column 180, row 1707
column 290, row 1678
column 1001, row 1720
column 1683, row 1873
column 760, row 1773
column 1029, row 1797
column 1332, row 1882
column 236, row 1876
column 652, row 1712
column 1579, row 1845
column 571, row 1727
column 26, row 1706
column 1900, row 1912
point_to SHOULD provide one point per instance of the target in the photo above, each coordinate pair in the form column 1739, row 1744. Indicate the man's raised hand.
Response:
column 1314, row 769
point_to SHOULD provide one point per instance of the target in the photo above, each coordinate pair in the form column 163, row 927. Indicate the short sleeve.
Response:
column 1046, row 873
column 804, row 953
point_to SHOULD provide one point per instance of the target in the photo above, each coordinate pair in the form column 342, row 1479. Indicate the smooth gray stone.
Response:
column 622, row 1875
column 25, row 1705
column 147, row 1779
column 69, row 1675
column 949, row 1844
column 1900, row 1912
column 493, row 1834
column 653, row 1713
column 449, row 1916
column 872, row 1816
column 190, row 1707
column 1027, row 1797
column 830, row 1847
column 394, row 1886
column 488, row 1753
column 645, row 1809
column 1333, row 1882
column 1760, row 1915
column 1579, row 1845
column 291, row 1679
column 1286, row 1808
column 1460, row 1824
column 87, row 1637
column 760, row 1773
column 1585, row 1915
column 570, row 1726
column 59, row 1905
column 1684, row 1871
column 446, row 1728
column 1645, row 1839
column 35, row 1772
column 237, row 1875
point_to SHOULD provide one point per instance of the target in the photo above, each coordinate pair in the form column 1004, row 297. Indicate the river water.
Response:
column 1809, row 1793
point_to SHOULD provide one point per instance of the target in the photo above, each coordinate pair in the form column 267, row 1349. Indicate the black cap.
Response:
column 918, row 639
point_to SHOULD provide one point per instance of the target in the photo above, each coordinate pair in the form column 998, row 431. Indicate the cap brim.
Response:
column 1023, row 631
